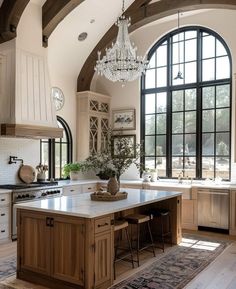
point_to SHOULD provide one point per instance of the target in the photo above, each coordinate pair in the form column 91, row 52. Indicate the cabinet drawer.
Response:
column 4, row 215
column 4, row 231
column 89, row 188
column 4, row 199
column 72, row 190
column 102, row 224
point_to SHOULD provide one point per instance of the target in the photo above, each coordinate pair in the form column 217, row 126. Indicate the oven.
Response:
column 29, row 193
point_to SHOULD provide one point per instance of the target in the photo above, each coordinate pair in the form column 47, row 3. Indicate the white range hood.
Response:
column 26, row 105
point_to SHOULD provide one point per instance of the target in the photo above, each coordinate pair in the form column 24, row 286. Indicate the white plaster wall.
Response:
column 144, row 38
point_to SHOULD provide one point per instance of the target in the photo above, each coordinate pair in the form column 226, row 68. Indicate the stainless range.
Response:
column 29, row 193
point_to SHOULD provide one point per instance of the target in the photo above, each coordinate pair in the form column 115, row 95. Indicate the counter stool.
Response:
column 138, row 219
column 120, row 225
column 164, row 216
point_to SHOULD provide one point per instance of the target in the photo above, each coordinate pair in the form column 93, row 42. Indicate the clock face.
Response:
column 58, row 97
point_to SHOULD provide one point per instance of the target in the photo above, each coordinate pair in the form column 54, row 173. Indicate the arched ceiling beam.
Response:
column 53, row 13
column 142, row 15
column 10, row 14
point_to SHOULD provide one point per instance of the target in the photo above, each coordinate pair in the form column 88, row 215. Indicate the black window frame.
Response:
column 51, row 149
column 169, row 88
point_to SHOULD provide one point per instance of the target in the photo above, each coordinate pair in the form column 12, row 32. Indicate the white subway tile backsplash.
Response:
column 26, row 149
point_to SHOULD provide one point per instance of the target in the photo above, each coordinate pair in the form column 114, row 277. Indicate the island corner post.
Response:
column 63, row 251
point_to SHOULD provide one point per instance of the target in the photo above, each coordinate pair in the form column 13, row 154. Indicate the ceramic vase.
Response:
column 41, row 177
column 74, row 175
column 112, row 186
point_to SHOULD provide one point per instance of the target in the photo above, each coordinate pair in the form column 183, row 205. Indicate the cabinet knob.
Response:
column 3, row 231
column 2, row 200
column 3, row 214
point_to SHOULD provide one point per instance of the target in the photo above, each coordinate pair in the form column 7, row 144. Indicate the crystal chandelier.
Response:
column 120, row 63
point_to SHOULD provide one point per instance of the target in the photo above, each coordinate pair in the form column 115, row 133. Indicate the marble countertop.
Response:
column 82, row 206
column 4, row 191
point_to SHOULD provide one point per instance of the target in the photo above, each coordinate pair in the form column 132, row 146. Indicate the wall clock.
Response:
column 58, row 97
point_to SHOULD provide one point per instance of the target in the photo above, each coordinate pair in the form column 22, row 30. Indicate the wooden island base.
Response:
column 63, row 251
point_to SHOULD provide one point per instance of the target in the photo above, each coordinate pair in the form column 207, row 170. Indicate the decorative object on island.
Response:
column 121, row 152
column 72, row 170
column 121, row 62
column 41, row 174
column 123, row 119
column 108, row 197
column 112, row 185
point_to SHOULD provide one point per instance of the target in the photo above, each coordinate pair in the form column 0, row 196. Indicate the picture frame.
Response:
column 123, row 146
column 124, row 119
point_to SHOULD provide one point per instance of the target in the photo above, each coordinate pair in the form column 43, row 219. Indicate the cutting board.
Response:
column 26, row 174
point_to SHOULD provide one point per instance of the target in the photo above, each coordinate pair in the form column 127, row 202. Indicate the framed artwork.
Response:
column 124, row 146
column 123, row 119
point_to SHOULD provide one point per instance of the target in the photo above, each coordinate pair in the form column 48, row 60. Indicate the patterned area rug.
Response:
column 7, row 267
column 178, row 266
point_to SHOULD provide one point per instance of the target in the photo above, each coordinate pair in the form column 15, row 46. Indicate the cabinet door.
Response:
column 35, row 243
column 68, row 249
column 103, row 256
column 233, row 213
column 189, row 211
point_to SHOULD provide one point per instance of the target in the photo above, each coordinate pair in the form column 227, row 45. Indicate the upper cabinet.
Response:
column 93, row 114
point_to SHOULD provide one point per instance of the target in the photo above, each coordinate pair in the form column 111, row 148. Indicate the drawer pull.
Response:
column 89, row 188
column 72, row 190
column 102, row 225
column 3, row 231
column 2, row 200
column 3, row 214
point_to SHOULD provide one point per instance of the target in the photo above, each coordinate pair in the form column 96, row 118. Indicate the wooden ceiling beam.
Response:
column 53, row 12
column 142, row 14
column 10, row 14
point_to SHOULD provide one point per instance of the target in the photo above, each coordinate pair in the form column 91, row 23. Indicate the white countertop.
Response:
column 5, row 191
column 82, row 206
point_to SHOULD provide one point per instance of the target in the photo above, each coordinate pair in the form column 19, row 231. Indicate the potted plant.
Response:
column 72, row 170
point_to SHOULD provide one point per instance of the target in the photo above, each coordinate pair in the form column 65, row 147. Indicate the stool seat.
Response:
column 137, row 218
column 120, row 224
column 159, row 212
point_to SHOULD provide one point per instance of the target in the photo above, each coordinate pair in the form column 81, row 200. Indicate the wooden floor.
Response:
column 221, row 274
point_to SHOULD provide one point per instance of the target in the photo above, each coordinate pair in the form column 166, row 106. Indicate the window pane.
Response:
column 161, row 77
column 222, row 144
column 208, row 97
column 208, row 47
column 152, row 61
column 57, row 161
column 150, row 78
column 223, row 95
column 208, row 168
column 190, row 72
column 161, row 145
column 190, row 122
column 190, row 144
column 222, row 119
column 150, row 124
column 208, row 120
column 150, row 162
column 208, row 69
column 161, row 124
column 222, row 68
column 191, row 50
column 177, row 100
column 177, row 166
column 222, row 167
column 208, row 144
column 178, row 52
column 190, row 99
column 161, row 166
column 64, row 159
column 190, row 34
column 150, row 145
column 162, row 56
column 177, row 144
column 220, row 50
column 161, row 102
column 150, row 103
column 177, row 122
column 190, row 167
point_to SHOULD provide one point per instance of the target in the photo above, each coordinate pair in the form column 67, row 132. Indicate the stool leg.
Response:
column 162, row 235
column 130, row 248
column 151, row 239
column 170, row 230
column 138, row 233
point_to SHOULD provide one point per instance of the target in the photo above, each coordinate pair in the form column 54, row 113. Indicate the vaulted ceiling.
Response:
column 54, row 12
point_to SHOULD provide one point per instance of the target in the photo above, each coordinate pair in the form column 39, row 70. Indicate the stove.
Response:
column 30, row 192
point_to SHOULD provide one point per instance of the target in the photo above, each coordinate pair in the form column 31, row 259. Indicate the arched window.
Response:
column 186, row 122
column 57, row 152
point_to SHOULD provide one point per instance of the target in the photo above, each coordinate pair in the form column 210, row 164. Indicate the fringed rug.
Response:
column 177, row 267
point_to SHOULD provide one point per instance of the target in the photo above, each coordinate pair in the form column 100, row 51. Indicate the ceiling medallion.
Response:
column 120, row 63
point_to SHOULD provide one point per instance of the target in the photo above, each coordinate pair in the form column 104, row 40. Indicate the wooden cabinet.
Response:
column 4, row 216
column 52, row 245
column 72, row 190
column 93, row 113
column 232, row 220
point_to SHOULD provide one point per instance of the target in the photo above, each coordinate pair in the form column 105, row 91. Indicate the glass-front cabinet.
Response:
column 92, row 122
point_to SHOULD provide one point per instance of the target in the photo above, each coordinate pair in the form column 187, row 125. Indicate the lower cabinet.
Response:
column 189, row 214
column 232, row 219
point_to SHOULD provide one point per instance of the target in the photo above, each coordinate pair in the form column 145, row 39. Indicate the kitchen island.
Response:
column 67, row 242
